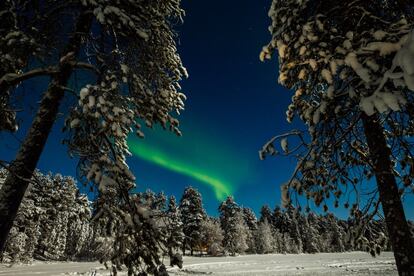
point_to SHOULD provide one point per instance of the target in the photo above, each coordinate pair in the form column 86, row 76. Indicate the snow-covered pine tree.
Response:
column 264, row 238
column 249, row 218
column 234, row 227
column 314, row 223
column 266, row 214
column 160, row 202
column 293, row 229
column 128, row 52
column 212, row 236
column 336, row 235
column 251, row 222
column 79, row 226
column 309, row 235
column 350, row 63
column 281, row 220
column 52, row 221
column 47, row 196
column 289, row 246
column 278, row 244
column 175, row 228
column 192, row 216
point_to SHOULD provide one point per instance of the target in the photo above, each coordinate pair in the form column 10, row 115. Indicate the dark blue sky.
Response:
column 234, row 106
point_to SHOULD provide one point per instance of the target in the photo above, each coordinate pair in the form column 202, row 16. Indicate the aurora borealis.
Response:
column 220, row 187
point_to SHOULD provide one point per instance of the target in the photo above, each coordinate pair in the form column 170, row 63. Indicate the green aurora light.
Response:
column 221, row 188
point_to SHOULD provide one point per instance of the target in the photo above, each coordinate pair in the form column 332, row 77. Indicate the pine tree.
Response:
column 278, row 244
column 281, row 220
column 355, row 96
column 314, row 223
column 192, row 216
column 251, row 222
column 336, row 234
column 52, row 221
column 79, row 227
column 160, row 202
column 266, row 214
column 294, row 232
column 212, row 236
column 264, row 238
column 132, row 59
column 234, row 227
column 309, row 235
column 289, row 246
column 175, row 227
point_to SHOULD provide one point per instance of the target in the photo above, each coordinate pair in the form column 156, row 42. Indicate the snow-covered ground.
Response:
column 355, row 263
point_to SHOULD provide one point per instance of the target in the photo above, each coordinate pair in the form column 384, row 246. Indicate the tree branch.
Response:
column 12, row 79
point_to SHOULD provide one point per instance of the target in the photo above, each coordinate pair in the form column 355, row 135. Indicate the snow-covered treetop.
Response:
column 131, row 65
column 352, row 57
column 139, row 70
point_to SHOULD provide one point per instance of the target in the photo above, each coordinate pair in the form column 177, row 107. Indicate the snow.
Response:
column 384, row 48
column 326, row 74
column 284, row 145
column 356, row 263
column 379, row 35
column 404, row 59
column 282, row 47
column 352, row 263
column 313, row 64
column 382, row 102
column 352, row 61
column 83, row 93
column 91, row 101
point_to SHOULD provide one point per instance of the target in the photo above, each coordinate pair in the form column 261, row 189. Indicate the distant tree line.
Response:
column 57, row 222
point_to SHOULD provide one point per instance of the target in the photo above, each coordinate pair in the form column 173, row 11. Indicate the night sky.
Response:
column 234, row 106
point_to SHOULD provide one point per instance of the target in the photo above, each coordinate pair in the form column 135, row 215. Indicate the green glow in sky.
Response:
column 221, row 188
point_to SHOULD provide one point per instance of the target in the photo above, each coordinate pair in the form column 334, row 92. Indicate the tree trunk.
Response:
column 397, row 226
column 22, row 168
column 184, row 245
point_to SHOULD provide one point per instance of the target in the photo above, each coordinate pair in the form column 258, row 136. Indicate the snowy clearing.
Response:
column 355, row 263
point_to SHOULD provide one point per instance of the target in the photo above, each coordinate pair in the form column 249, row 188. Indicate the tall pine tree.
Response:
column 192, row 216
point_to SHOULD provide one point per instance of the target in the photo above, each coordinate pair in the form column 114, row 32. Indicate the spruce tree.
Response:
column 264, row 238
column 192, row 216
column 234, row 227
column 266, row 214
column 309, row 235
column 251, row 222
column 175, row 228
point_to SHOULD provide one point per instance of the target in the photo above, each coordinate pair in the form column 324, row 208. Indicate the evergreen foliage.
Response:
column 192, row 216
column 55, row 223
